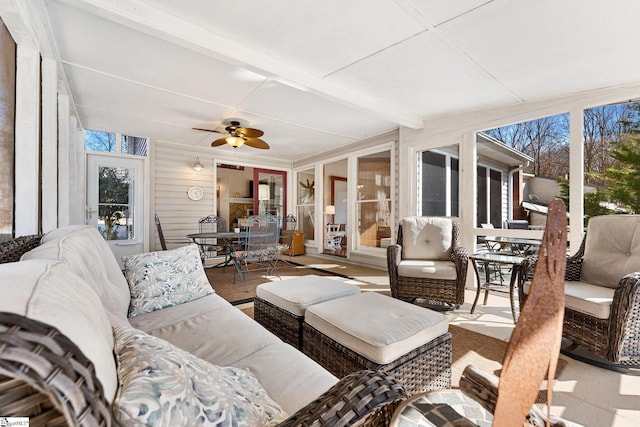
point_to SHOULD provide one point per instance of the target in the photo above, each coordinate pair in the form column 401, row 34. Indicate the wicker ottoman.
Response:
column 280, row 306
column 373, row 331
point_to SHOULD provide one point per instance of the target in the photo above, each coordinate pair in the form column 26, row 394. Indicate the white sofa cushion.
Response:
column 162, row 385
column 586, row 298
column 445, row 270
column 291, row 378
column 295, row 295
column 165, row 278
column 214, row 330
column 612, row 249
column 427, row 238
column 84, row 250
column 376, row 326
column 48, row 291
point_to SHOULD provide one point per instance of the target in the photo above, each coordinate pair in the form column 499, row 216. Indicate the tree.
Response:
column 594, row 203
column 624, row 180
column 543, row 139
column 113, row 198
column 99, row 141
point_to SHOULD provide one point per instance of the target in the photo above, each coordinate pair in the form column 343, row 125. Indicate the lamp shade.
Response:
column 263, row 192
column 330, row 210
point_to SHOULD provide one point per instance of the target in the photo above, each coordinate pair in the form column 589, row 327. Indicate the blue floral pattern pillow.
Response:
column 162, row 385
column 165, row 278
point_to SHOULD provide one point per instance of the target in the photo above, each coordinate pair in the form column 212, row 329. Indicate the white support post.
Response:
column 27, row 142
column 49, row 145
column 576, row 178
column 467, row 194
column 63, row 160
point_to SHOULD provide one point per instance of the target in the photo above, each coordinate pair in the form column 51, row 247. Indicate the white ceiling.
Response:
column 317, row 75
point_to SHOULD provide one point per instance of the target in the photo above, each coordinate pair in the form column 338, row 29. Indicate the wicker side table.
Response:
column 438, row 408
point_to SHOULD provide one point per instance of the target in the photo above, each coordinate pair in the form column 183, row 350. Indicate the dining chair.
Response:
column 261, row 249
column 333, row 237
column 163, row 241
column 211, row 247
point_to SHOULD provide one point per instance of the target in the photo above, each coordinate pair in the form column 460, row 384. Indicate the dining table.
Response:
column 229, row 241
column 516, row 245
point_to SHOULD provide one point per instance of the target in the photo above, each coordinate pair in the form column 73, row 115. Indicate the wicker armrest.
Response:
column 483, row 388
column 364, row 397
column 45, row 376
column 12, row 250
column 480, row 386
column 624, row 322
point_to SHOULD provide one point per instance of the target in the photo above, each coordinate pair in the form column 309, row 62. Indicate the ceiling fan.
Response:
column 237, row 136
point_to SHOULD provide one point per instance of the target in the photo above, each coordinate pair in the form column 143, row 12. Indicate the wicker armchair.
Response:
column 428, row 262
column 531, row 355
column 602, row 291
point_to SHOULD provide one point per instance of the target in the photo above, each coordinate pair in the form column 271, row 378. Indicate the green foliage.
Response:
column 594, row 203
column 113, row 197
column 624, row 180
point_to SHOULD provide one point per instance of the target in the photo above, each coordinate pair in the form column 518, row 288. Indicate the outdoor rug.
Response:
column 486, row 353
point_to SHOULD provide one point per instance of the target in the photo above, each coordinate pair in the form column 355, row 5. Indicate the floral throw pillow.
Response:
column 165, row 278
column 162, row 385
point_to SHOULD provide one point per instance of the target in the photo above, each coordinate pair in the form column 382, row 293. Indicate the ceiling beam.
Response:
column 144, row 17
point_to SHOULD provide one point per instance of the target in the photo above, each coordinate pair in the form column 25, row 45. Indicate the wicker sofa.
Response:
column 68, row 289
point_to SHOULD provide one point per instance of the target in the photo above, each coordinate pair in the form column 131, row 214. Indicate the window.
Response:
column 134, row 145
column 99, row 141
column 438, row 182
column 374, row 199
column 305, row 206
column 611, row 165
column 534, row 155
column 107, row 142
column 115, row 213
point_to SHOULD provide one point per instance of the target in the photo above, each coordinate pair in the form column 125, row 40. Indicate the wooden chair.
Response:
column 532, row 351
column 428, row 262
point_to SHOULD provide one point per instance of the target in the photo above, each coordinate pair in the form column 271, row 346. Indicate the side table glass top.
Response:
column 440, row 408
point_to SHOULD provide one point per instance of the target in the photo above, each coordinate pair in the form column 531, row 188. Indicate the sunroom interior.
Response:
column 359, row 103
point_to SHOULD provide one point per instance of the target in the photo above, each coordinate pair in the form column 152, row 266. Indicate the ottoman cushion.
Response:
column 296, row 295
column 376, row 326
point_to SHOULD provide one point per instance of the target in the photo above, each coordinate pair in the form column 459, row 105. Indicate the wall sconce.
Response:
column 197, row 166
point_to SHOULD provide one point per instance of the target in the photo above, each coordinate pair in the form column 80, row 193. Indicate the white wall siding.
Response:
column 171, row 178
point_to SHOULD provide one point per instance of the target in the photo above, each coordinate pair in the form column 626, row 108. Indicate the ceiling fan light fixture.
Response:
column 235, row 141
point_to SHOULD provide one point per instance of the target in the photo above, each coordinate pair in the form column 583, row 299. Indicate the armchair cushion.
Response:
column 586, row 298
column 427, row 238
column 445, row 270
column 612, row 249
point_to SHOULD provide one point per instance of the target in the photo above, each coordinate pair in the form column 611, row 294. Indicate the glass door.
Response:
column 115, row 202
column 270, row 192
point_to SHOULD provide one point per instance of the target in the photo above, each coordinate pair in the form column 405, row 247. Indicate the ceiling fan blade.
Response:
column 209, row 130
column 256, row 143
column 250, row 132
column 218, row 142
